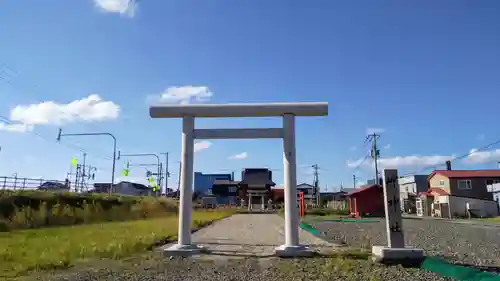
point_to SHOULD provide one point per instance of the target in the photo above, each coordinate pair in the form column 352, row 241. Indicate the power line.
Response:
column 361, row 163
column 8, row 74
column 454, row 159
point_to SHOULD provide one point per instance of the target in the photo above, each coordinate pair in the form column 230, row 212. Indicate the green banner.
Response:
column 74, row 162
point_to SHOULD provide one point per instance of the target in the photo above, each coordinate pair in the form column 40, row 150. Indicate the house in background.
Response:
column 494, row 189
column 336, row 200
column 225, row 192
column 458, row 193
column 311, row 194
column 100, row 187
column 204, row 182
column 409, row 188
column 123, row 188
column 367, row 200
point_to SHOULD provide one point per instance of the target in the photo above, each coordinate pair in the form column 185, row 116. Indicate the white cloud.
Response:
column 478, row 157
column 186, row 94
column 199, row 146
column 19, row 128
column 370, row 131
column 412, row 161
column 353, row 148
column 124, row 7
column 387, row 146
column 242, row 155
column 91, row 108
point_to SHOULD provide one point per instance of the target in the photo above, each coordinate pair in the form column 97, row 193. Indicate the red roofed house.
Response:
column 367, row 200
column 456, row 193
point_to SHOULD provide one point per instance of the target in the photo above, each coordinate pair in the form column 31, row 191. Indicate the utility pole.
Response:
column 83, row 172
column 354, row 181
column 316, row 175
column 375, row 153
column 316, row 182
column 167, row 174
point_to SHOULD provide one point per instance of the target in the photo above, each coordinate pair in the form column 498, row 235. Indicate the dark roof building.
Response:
column 257, row 178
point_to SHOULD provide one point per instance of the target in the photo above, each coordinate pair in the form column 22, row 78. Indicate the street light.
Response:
column 96, row 134
column 144, row 154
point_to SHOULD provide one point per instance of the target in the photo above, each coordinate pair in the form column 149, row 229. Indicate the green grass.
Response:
column 495, row 219
column 23, row 251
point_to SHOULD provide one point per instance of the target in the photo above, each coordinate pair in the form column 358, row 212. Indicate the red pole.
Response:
column 301, row 202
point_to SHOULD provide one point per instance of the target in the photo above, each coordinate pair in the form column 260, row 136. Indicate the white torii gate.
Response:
column 288, row 111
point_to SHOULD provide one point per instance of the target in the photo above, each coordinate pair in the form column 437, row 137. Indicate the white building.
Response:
column 495, row 189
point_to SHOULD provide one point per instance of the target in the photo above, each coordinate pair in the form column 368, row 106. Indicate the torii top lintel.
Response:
column 239, row 110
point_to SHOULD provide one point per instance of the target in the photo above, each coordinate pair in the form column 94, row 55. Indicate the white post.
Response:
column 290, row 179
column 394, row 220
column 186, row 184
column 263, row 204
column 395, row 252
column 249, row 201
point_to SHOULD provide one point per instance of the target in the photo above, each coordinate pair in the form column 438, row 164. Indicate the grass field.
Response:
column 23, row 251
column 495, row 219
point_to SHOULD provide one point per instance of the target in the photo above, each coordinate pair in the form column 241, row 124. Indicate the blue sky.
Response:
column 426, row 74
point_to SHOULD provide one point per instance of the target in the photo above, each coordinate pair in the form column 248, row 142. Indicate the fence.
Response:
column 338, row 205
column 15, row 183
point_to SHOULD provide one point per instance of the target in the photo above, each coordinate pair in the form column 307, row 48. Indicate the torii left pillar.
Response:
column 184, row 245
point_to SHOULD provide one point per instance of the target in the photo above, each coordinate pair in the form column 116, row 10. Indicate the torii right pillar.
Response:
column 291, row 248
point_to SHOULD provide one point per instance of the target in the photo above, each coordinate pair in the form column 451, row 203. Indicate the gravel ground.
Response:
column 240, row 248
column 472, row 244
column 258, row 269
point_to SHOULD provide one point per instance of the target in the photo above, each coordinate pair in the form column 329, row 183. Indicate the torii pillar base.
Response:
column 405, row 256
column 285, row 251
column 182, row 250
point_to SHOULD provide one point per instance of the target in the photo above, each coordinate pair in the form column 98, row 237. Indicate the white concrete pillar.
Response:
column 263, row 204
column 249, row 202
column 290, row 179
column 186, row 184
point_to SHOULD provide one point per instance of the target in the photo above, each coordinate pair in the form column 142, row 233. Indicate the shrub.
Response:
column 326, row 212
column 35, row 209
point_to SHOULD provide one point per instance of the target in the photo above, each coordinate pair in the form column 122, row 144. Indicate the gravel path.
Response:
column 250, row 235
column 249, row 269
column 473, row 244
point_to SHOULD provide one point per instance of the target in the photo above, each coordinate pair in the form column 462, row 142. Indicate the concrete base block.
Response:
column 181, row 250
column 404, row 256
column 286, row 251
